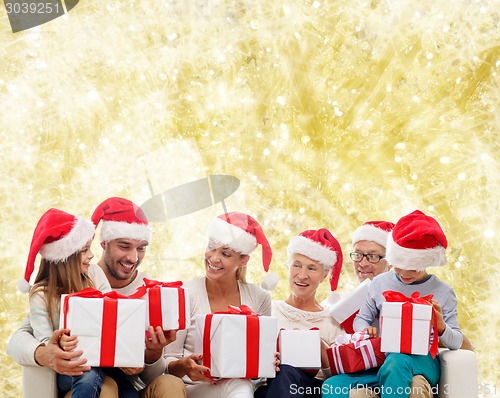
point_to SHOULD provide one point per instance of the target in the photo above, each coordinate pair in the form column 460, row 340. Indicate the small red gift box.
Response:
column 237, row 344
column 405, row 324
column 354, row 352
column 167, row 304
column 110, row 327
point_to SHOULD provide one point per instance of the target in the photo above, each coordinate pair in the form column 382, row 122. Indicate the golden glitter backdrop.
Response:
column 330, row 113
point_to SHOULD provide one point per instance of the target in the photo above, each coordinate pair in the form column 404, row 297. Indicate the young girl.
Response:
column 63, row 241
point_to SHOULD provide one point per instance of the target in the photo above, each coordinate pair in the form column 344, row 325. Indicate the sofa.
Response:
column 458, row 377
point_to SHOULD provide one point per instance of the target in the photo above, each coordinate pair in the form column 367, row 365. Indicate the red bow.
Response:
column 393, row 296
column 241, row 310
column 150, row 283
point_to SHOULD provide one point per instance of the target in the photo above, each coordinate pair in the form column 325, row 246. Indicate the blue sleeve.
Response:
column 452, row 336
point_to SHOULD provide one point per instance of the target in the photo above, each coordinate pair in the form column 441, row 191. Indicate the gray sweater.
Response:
column 443, row 294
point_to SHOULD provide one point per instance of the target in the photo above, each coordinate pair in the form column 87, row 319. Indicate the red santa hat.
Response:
column 121, row 218
column 57, row 236
column 319, row 245
column 416, row 242
column 241, row 233
column 373, row 231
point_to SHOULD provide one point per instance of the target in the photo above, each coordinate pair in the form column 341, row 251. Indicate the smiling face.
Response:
column 305, row 276
column 410, row 276
column 121, row 258
column 364, row 269
column 222, row 263
column 85, row 256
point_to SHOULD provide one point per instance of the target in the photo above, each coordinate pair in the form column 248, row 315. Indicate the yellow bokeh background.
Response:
column 330, row 113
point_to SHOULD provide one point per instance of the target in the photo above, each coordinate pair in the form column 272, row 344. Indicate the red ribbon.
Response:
column 252, row 338
column 109, row 320
column 407, row 318
column 150, row 283
column 152, row 288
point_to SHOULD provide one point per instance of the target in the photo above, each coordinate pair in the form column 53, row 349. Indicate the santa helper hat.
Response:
column 242, row 233
column 121, row 218
column 416, row 242
column 57, row 236
column 320, row 245
column 373, row 231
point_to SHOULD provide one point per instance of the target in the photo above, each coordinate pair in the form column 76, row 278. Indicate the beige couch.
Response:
column 458, row 377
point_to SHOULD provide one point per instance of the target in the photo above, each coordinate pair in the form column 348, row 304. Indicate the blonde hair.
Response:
column 55, row 278
column 241, row 273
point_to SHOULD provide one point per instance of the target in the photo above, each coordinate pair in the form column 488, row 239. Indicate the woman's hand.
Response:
column 68, row 342
column 188, row 366
column 277, row 361
column 324, row 356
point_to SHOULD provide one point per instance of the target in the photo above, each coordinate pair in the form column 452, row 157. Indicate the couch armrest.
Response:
column 39, row 382
column 458, row 374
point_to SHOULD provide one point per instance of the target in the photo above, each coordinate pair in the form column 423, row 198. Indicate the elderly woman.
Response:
column 312, row 255
column 231, row 238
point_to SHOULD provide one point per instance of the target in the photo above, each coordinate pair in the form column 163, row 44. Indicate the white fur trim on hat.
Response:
column 231, row 236
column 111, row 230
column 315, row 251
column 81, row 232
column 414, row 259
column 370, row 233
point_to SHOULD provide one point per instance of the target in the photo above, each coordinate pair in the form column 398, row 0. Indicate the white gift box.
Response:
column 237, row 346
column 167, row 307
column 405, row 330
column 110, row 331
column 344, row 311
column 300, row 348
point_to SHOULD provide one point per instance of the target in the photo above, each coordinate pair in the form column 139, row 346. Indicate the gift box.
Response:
column 405, row 324
column 110, row 327
column 354, row 352
column 300, row 348
column 344, row 311
column 167, row 304
column 237, row 344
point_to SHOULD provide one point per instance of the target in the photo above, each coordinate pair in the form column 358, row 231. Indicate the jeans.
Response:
column 290, row 382
column 392, row 379
column 89, row 384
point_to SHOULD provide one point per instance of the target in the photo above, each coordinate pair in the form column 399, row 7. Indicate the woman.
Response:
column 231, row 238
column 311, row 256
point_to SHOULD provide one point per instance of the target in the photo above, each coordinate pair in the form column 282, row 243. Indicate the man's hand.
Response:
column 60, row 361
column 189, row 366
column 132, row 371
column 155, row 341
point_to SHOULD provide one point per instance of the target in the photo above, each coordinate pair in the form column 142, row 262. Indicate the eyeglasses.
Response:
column 372, row 258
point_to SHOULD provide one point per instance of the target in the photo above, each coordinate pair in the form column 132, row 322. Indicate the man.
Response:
column 125, row 235
column 369, row 248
